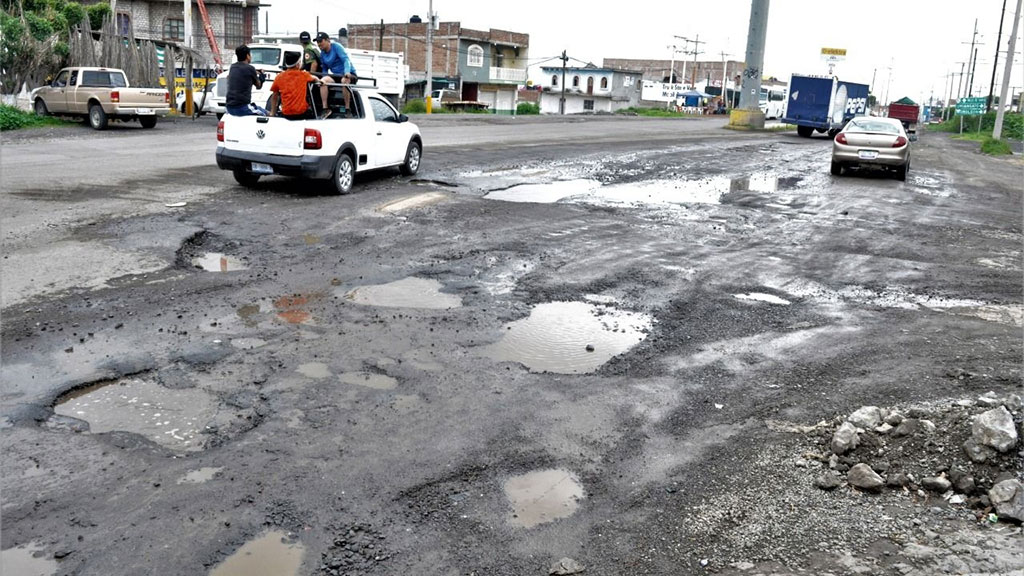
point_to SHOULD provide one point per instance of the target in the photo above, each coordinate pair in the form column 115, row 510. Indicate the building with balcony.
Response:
column 483, row 66
column 588, row 89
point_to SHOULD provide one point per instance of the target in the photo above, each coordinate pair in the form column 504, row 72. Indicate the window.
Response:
column 604, row 83
column 124, row 23
column 382, row 111
column 61, row 80
column 234, row 31
column 174, row 29
column 575, row 81
column 554, row 80
column 476, row 56
column 588, row 105
column 590, row 85
column 103, row 79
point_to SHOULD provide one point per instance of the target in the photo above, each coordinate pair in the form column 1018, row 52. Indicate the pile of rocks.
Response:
column 964, row 451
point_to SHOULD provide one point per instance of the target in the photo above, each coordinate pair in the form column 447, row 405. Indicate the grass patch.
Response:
column 12, row 118
column 994, row 147
column 527, row 109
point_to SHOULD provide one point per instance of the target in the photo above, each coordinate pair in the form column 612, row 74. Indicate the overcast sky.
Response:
column 918, row 40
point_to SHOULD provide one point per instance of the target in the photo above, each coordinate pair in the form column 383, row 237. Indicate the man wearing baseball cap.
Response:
column 289, row 88
column 334, row 60
column 310, row 54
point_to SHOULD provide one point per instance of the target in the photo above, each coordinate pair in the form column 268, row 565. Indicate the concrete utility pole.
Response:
column 696, row 50
column 974, row 66
column 995, row 63
column 959, row 81
column 561, row 101
column 750, row 113
column 725, row 75
column 430, row 56
column 188, row 61
column 970, row 56
column 997, row 131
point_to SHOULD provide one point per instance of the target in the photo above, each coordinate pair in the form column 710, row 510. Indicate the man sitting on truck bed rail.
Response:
column 334, row 60
column 290, row 87
column 242, row 76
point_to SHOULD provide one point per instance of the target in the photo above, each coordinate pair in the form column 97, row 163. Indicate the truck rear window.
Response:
column 103, row 79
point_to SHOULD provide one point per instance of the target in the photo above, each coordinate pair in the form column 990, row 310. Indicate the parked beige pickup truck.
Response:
column 100, row 95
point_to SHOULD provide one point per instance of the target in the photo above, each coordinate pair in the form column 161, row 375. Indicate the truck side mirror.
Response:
column 402, row 118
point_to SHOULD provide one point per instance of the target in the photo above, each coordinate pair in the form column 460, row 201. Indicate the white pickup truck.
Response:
column 370, row 135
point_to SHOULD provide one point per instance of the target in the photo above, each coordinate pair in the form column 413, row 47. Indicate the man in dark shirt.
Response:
column 242, row 76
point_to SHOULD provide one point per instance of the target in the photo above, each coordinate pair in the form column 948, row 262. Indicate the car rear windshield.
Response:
column 872, row 126
column 103, row 79
column 269, row 56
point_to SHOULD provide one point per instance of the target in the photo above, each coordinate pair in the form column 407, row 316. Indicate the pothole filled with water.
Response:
column 171, row 418
column 217, row 262
column 542, row 496
column 27, row 560
column 761, row 297
column 273, row 554
column 405, row 293
column 369, row 380
column 315, row 370
column 569, row 337
column 200, row 476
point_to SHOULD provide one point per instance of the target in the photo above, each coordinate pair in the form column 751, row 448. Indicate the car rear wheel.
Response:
column 40, row 107
column 344, row 174
column 412, row 159
column 245, row 178
column 901, row 173
column 837, row 168
column 147, row 121
column 805, row 131
column 97, row 117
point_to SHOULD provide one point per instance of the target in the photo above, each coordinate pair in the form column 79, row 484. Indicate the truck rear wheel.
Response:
column 245, row 178
column 344, row 174
column 40, row 107
column 147, row 121
column 805, row 131
column 412, row 159
column 97, row 117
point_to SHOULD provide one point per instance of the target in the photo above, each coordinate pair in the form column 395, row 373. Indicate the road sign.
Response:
column 833, row 55
column 970, row 106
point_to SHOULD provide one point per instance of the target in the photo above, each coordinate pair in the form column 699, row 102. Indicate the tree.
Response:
column 35, row 36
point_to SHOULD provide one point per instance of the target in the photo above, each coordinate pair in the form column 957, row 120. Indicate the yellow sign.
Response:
column 833, row 51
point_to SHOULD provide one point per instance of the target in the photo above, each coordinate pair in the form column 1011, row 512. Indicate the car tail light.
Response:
column 312, row 140
column 220, row 131
column 841, row 138
column 900, row 142
column 115, row 96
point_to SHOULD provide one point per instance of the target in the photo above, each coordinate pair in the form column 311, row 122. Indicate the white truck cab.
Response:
column 370, row 135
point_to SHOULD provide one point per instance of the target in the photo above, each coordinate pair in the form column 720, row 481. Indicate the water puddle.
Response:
column 546, row 193
column 369, row 380
column 171, row 418
column 315, row 370
column 542, row 496
column 1011, row 315
column 217, row 262
column 272, row 554
column 405, row 293
column 569, row 337
column 27, row 560
column 771, row 299
column 200, row 476
column 417, row 201
column 292, row 309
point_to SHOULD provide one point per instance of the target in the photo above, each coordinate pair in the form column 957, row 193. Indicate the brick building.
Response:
column 486, row 66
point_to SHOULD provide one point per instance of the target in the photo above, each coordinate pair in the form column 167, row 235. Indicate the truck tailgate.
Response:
column 152, row 98
column 265, row 135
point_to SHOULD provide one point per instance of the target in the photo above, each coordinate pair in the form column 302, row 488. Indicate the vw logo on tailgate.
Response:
column 260, row 134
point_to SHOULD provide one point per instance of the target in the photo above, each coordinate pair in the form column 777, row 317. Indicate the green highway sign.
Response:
column 970, row 106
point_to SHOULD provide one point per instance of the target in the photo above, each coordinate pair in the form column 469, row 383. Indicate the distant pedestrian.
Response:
column 242, row 76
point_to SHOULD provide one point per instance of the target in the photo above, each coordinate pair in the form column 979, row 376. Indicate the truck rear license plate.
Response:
column 258, row 168
column 144, row 111
column 867, row 154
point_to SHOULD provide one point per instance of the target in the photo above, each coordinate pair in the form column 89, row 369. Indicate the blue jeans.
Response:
column 247, row 110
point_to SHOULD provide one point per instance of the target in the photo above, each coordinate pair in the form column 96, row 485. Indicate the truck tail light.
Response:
column 220, row 131
column 312, row 140
column 115, row 96
column 900, row 142
column 841, row 138
column 167, row 97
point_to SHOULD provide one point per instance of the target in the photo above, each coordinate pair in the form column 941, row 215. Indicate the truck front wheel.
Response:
column 97, row 117
column 344, row 174
column 805, row 131
column 412, row 159
column 40, row 107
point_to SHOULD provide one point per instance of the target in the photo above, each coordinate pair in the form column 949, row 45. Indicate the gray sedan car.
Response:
column 869, row 141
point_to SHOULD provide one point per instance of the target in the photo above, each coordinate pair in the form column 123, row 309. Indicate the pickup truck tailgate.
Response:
column 141, row 98
column 277, row 136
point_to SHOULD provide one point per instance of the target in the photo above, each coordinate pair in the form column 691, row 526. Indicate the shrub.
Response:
column 417, row 106
column 995, row 147
column 12, row 118
column 527, row 108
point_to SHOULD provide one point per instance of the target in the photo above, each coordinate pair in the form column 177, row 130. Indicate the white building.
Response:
column 588, row 90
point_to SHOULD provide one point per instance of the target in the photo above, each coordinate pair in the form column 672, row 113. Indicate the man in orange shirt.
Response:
column 289, row 88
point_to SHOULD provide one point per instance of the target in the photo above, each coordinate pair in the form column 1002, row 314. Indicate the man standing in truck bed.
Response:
column 334, row 60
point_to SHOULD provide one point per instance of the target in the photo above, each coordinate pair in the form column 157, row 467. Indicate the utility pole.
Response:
column 946, row 88
column 430, row 56
column 725, row 74
column 885, row 99
column 671, row 72
column 696, row 50
column 970, row 54
column 750, row 113
column 188, row 61
column 974, row 66
column 995, row 63
column 997, row 131
column 959, row 81
column 561, row 101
